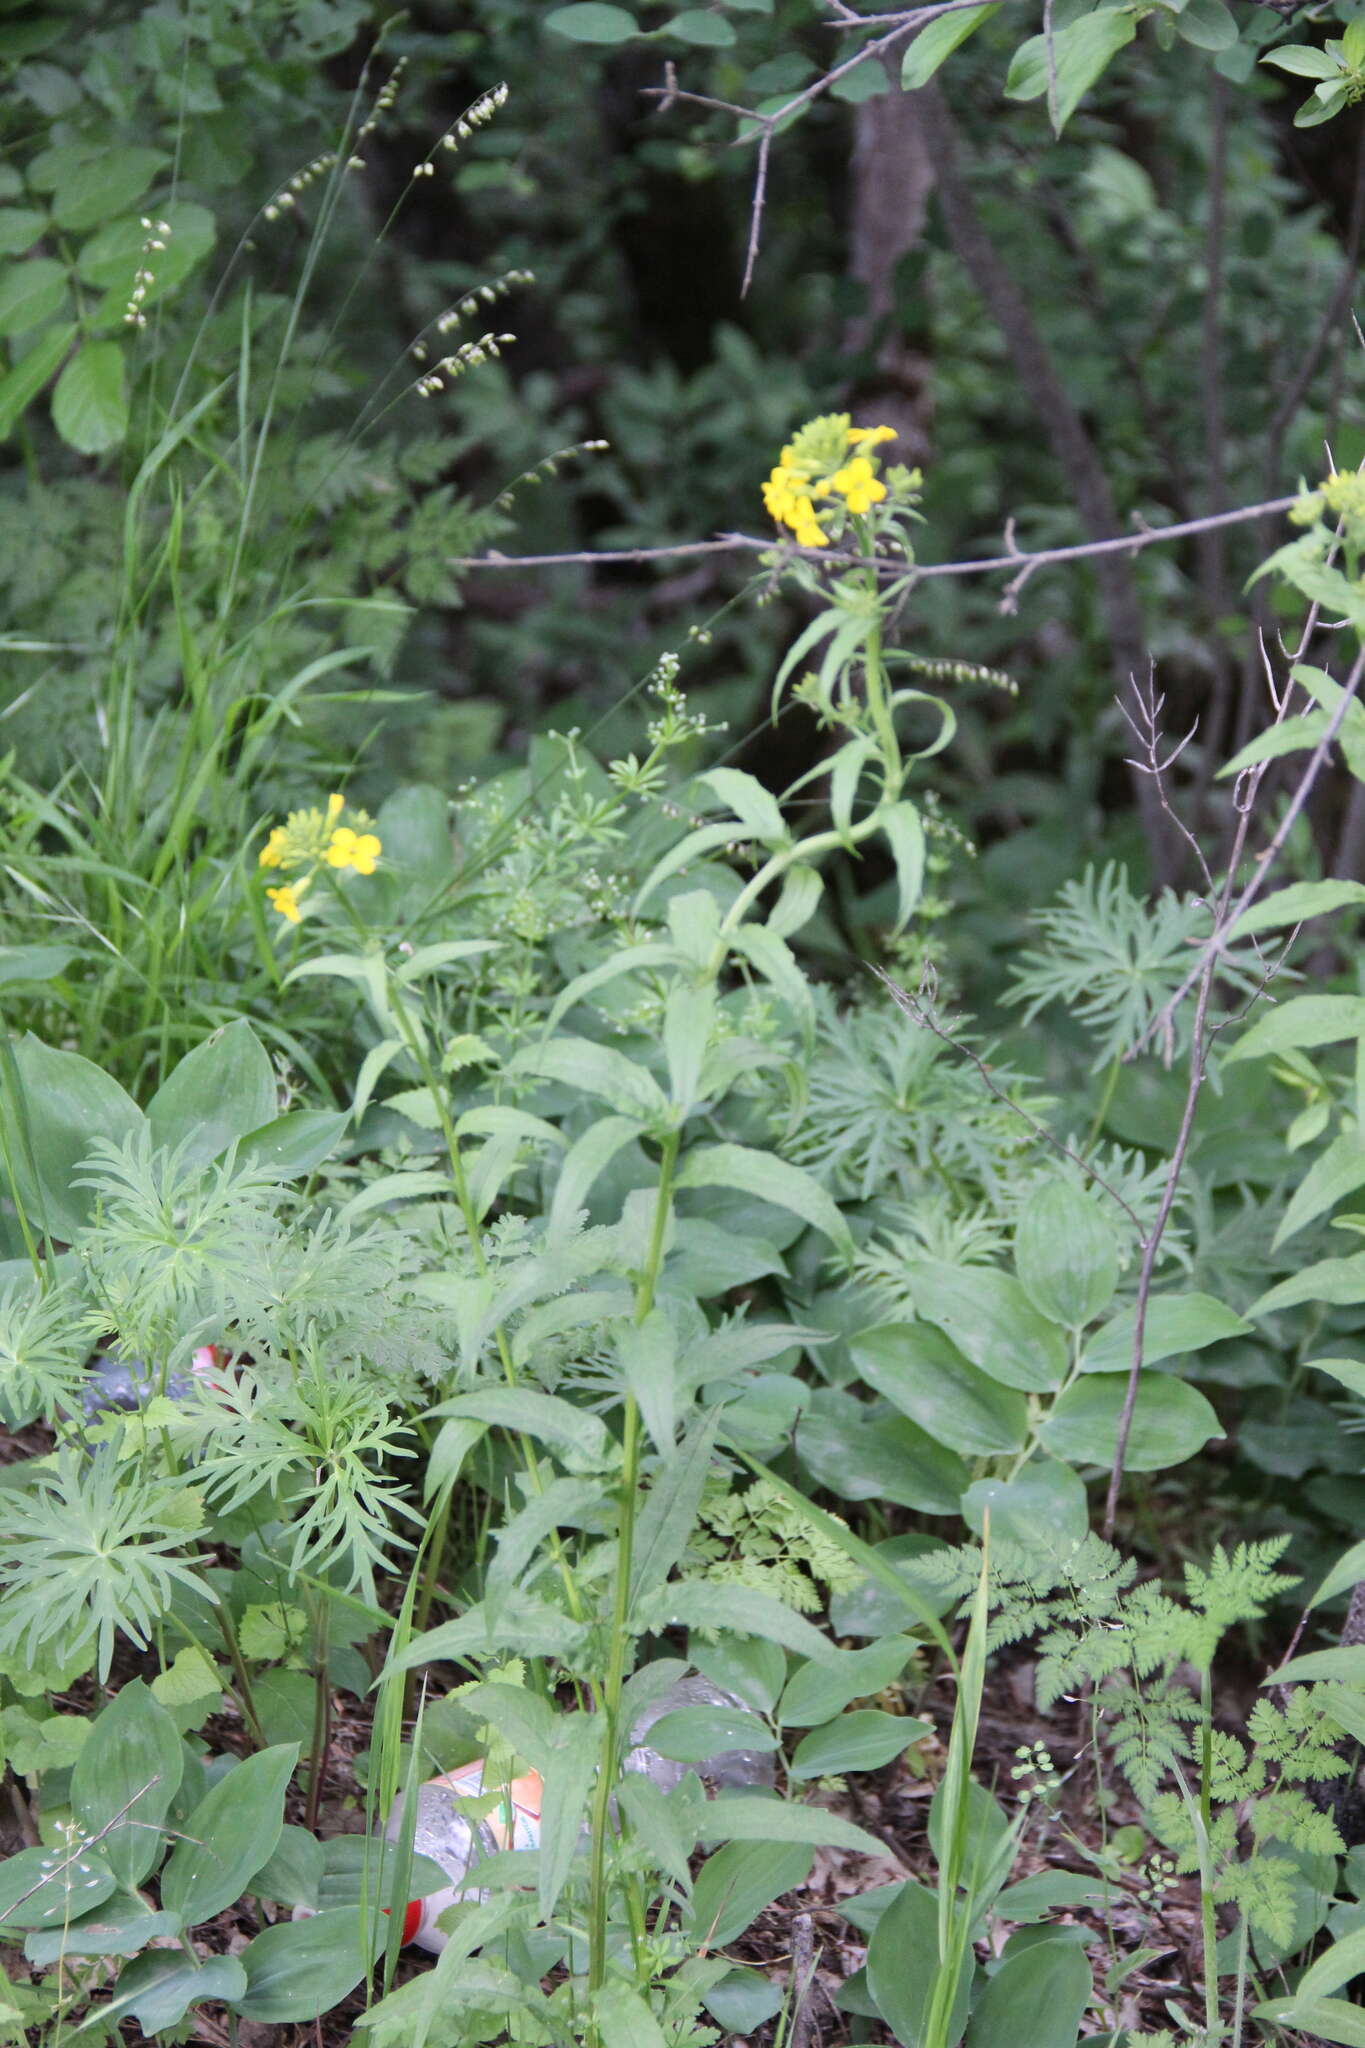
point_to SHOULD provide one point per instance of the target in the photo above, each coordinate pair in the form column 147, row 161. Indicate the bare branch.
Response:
column 885, row 565
column 1217, row 942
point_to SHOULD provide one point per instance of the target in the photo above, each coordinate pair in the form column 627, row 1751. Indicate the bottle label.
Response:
column 514, row 1823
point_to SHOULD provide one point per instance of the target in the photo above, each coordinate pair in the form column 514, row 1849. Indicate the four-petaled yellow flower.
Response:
column 812, row 467
column 358, row 850
column 310, row 839
column 858, row 484
column 286, row 901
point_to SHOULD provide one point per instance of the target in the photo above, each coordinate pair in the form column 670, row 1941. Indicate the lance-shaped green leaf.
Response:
column 770, row 1179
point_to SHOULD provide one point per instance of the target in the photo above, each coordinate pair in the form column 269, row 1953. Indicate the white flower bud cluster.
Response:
column 156, row 235
column 387, row 95
column 484, row 295
column 483, row 109
column 287, row 195
column 471, row 356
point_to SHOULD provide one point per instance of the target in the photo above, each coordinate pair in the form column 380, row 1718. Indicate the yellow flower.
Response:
column 809, row 532
column 273, row 851
column 286, row 901
column 358, row 850
column 858, row 484
column 335, row 806
column 868, row 437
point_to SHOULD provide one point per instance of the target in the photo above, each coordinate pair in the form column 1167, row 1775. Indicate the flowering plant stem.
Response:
column 610, row 1700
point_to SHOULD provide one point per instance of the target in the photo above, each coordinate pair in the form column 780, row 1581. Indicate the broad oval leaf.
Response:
column 916, row 1368
column 862, row 1741
column 221, row 1090
column 1174, row 1324
column 862, row 1452
column 1038, row 1996
column 1066, row 1255
column 125, row 1779
column 90, row 403
column 298, row 1969
column 937, row 41
column 30, row 293
column 903, row 1967
column 737, row 1882
column 1171, row 1421
column 66, row 1102
column 589, row 22
column 993, row 1323
column 104, row 185
column 230, row 1835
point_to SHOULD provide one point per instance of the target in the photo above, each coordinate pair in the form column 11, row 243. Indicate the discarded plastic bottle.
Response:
column 448, row 1838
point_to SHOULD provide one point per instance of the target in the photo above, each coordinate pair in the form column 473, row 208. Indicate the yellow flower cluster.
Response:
column 816, row 464
column 309, row 838
column 1342, row 494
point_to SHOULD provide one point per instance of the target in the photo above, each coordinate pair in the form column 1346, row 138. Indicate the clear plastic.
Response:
column 443, row 1833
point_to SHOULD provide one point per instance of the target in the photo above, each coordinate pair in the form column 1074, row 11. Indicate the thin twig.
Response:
column 920, row 1013
column 1023, row 561
column 1244, row 801
column 1217, row 942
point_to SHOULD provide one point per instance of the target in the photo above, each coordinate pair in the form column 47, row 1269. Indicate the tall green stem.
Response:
column 614, row 1682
